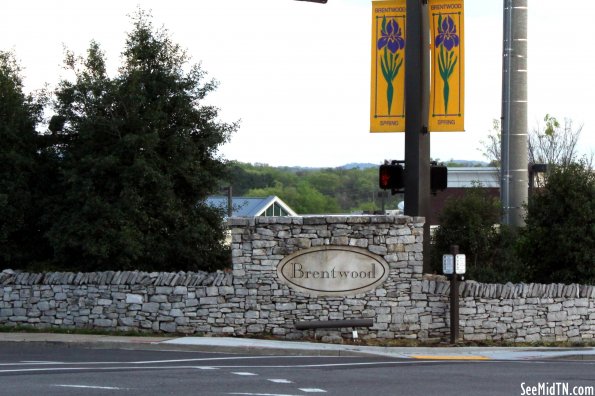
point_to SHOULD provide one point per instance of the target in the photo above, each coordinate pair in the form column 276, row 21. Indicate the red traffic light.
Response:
column 384, row 177
column 391, row 177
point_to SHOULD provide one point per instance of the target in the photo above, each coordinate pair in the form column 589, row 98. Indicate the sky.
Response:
column 297, row 75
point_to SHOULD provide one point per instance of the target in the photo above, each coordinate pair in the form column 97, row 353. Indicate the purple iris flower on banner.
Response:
column 391, row 38
column 447, row 39
column 447, row 34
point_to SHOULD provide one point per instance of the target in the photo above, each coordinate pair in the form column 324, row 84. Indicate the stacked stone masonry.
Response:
column 249, row 299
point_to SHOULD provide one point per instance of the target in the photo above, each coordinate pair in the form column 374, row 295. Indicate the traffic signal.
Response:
column 391, row 177
column 438, row 177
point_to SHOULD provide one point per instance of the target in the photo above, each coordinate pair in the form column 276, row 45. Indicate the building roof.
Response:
column 464, row 177
column 249, row 206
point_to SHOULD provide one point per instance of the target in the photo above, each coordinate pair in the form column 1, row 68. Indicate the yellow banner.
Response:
column 387, row 99
column 447, row 90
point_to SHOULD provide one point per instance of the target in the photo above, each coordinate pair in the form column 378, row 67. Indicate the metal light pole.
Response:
column 417, row 138
column 514, row 175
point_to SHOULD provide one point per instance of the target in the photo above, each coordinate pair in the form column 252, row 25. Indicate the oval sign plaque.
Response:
column 333, row 271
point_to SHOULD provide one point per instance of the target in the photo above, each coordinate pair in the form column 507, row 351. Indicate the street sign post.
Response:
column 453, row 265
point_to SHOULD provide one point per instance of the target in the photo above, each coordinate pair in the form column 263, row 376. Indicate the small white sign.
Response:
column 460, row 264
column 447, row 264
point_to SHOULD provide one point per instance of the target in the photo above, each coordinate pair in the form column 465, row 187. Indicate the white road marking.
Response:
column 280, row 381
column 259, row 394
column 206, row 368
column 219, row 358
column 38, row 362
column 115, row 368
column 126, row 365
column 122, row 365
column 26, row 363
column 45, row 369
column 312, row 390
column 242, row 373
column 91, row 387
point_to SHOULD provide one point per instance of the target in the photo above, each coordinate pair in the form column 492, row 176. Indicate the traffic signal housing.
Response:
column 438, row 178
column 391, row 177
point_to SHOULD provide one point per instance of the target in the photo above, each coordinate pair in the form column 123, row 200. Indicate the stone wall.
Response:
column 250, row 299
column 128, row 300
column 515, row 312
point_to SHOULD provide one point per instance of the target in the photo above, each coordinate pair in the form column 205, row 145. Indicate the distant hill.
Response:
column 363, row 166
column 466, row 163
column 453, row 163
column 358, row 165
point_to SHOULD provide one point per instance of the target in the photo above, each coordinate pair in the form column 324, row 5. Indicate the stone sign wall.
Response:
column 262, row 246
column 292, row 269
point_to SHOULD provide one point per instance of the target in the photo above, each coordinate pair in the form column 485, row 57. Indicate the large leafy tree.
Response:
column 20, row 236
column 470, row 222
column 139, row 156
column 558, row 243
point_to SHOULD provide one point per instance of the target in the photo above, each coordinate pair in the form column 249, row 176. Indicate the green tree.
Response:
column 139, row 158
column 327, row 181
column 470, row 222
column 346, row 190
column 21, row 240
column 558, row 242
column 301, row 197
column 244, row 177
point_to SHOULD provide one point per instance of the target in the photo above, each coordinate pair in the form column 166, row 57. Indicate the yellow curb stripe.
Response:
column 449, row 357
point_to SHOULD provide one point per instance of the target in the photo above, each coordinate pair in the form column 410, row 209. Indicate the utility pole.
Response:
column 417, row 138
column 514, row 175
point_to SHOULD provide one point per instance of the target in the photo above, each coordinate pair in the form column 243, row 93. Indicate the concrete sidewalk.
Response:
column 272, row 347
column 432, row 353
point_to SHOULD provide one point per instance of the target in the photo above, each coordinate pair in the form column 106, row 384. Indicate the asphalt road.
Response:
column 46, row 369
